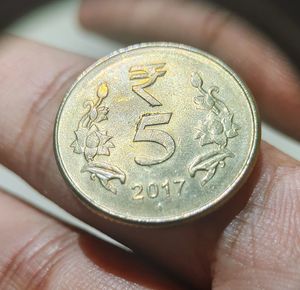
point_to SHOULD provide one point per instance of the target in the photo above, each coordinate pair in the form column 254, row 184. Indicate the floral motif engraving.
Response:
column 217, row 128
column 92, row 141
column 209, row 162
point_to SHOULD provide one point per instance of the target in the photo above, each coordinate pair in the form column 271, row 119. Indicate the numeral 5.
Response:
column 144, row 134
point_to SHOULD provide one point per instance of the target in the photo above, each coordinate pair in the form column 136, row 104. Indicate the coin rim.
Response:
column 193, row 214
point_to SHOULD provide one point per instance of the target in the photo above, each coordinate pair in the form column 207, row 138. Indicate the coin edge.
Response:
column 191, row 215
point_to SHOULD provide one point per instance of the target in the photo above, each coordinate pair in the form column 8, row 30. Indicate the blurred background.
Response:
column 56, row 23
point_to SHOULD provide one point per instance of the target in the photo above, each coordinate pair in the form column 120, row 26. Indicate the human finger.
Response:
column 272, row 78
column 38, row 252
column 31, row 94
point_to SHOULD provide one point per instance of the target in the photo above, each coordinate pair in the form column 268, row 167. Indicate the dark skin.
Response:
column 252, row 242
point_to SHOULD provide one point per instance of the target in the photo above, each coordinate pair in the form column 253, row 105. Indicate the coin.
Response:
column 156, row 133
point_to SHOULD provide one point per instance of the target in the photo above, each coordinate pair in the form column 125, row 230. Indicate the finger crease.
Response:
column 41, row 276
column 8, row 270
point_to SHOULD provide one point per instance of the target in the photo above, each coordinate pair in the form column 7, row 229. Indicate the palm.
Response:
column 250, row 243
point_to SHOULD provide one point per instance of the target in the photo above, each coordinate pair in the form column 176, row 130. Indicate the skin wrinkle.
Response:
column 236, row 227
column 53, row 248
column 9, row 268
column 297, row 223
column 286, row 213
column 282, row 224
column 71, row 268
column 258, row 219
column 275, row 280
column 40, row 279
column 290, row 213
column 253, row 263
column 96, row 275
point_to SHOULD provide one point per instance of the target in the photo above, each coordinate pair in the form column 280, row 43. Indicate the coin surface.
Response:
column 156, row 133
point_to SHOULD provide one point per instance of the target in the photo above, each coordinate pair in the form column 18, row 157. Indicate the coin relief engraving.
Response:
column 217, row 128
column 153, row 189
column 156, row 134
column 147, row 75
column 144, row 134
column 92, row 141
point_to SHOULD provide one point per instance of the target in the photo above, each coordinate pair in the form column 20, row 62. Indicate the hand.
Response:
column 251, row 242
